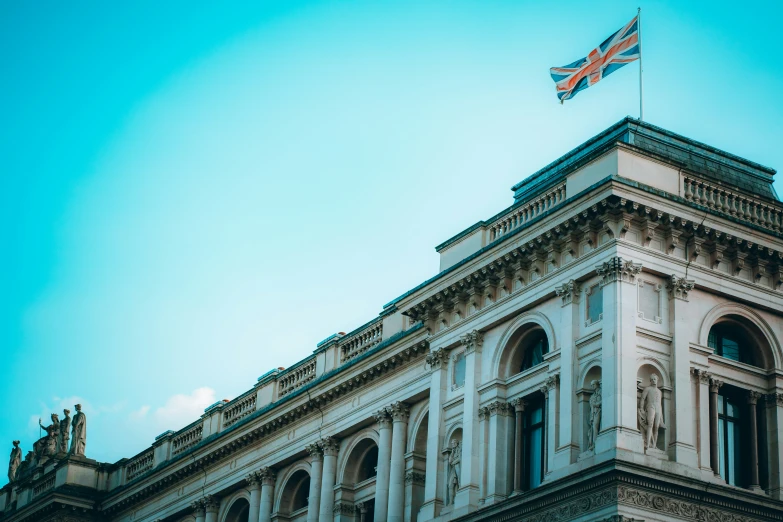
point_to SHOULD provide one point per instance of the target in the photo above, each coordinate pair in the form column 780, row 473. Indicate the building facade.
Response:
column 608, row 348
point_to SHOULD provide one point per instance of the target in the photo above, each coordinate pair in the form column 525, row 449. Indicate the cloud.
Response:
column 180, row 410
column 140, row 413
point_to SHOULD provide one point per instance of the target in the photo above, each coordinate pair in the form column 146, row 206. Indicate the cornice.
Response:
column 212, row 451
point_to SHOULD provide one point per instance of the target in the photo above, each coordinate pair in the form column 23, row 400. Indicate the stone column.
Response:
column 212, row 505
column 316, row 472
column 519, row 444
column 684, row 441
column 570, row 432
column 433, row 486
column 775, row 442
column 268, row 477
column 483, row 416
column 399, row 412
column 702, row 412
column 468, row 493
column 753, row 399
column 501, row 452
column 254, row 486
column 549, row 389
column 714, row 458
column 384, row 460
column 199, row 510
column 618, row 356
column 330, row 448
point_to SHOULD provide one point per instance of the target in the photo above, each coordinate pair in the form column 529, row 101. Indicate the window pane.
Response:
column 720, row 405
column 733, row 452
column 536, row 415
column 722, row 447
column 712, row 340
column 535, row 446
column 459, row 370
column 730, row 349
column 537, row 355
column 595, row 303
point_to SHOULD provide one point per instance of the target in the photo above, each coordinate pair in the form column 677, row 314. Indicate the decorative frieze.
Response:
column 618, row 269
column 679, row 287
column 472, row 341
column 568, row 292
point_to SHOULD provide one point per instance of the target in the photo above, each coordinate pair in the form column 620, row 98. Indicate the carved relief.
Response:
column 679, row 287
column 436, row 359
column 472, row 341
column 650, row 414
column 618, row 269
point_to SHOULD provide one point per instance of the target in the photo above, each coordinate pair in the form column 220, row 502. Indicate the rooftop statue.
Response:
column 65, row 431
column 79, row 433
column 15, row 461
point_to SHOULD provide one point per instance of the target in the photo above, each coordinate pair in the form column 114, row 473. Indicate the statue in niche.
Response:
column 15, row 461
column 65, row 430
column 595, row 415
column 79, row 432
column 651, row 414
column 455, row 467
column 48, row 445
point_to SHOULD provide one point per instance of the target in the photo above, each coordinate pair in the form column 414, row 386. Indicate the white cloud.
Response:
column 180, row 410
column 140, row 413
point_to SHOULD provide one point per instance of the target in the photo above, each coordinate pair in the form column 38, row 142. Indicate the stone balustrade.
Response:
column 187, row 439
column 45, row 485
column 296, row 377
column 523, row 214
column 238, row 409
column 734, row 204
column 356, row 344
column 140, row 465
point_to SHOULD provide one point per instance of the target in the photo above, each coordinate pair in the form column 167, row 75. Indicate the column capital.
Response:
column 472, row 341
column 268, row 476
column 774, row 399
column 198, row 506
column 618, row 269
column 315, row 451
column 753, row 397
column 518, row 404
column 414, row 477
column 341, row 507
column 679, row 287
column 568, row 292
column 211, row 503
column 329, row 446
column 500, row 408
column 399, row 411
column 436, row 359
column 549, row 384
column 483, row 413
column 715, row 385
column 703, row 376
column 383, row 418
column 253, row 480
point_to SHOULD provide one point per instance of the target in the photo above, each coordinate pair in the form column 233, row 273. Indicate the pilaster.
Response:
column 774, row 415
column 501, row 451
column 433, row 487
column 316, row 474
column 550, row 391
column 567, row 449
column 682, row 447
column 468, row 494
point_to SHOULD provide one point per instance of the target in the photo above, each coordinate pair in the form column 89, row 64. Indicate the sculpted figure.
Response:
column 455, row 467
column 14, row 462
column 651, row 413
column 595, row 415
column 49, row 443
column 79, row 432
column 65, row 431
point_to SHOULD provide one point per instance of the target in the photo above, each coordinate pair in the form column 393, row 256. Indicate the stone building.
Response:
column 606, row 348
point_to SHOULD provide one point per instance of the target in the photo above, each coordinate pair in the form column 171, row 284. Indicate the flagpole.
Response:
column 641, row 89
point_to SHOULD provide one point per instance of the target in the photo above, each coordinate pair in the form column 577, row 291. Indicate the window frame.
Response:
column 528, row 429
column 593, row 290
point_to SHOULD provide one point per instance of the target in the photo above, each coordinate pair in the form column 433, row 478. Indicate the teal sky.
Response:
column 193, row 193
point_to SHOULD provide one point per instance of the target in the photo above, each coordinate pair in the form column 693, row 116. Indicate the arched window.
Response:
column 369, row 464
column 535, row 346
column 730, row 341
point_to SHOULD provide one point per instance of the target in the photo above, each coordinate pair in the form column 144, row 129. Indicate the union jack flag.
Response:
column 619, row 49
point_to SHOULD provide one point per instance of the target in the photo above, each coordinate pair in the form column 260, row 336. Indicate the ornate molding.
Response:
column 500, row 408
column 550, row 384
column 341, row 507
column 436, row 359
column 518, row 404
column 753, row 397
column 315, row 451
column 211, row 503
column 254, row 479
column 472, row 341
column 618, row 269
column 268, row 476
column 702, row 376
column 774, row 398
column 679, row 287
column 198, row 506
column 568, row 292
column 715, row 385
column 483, row 413
column 414, row 477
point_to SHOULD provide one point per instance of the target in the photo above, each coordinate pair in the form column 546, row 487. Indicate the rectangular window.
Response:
column 595, row 304
column 729, row 439
column 459, row 370
column 534, row 444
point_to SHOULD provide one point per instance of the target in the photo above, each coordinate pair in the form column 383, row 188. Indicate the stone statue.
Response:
column 595, row 415
column 65, row 430
column 79, row 432
column 14, row 462
column 48, row 447
column 455, row 467
column 651, row 413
